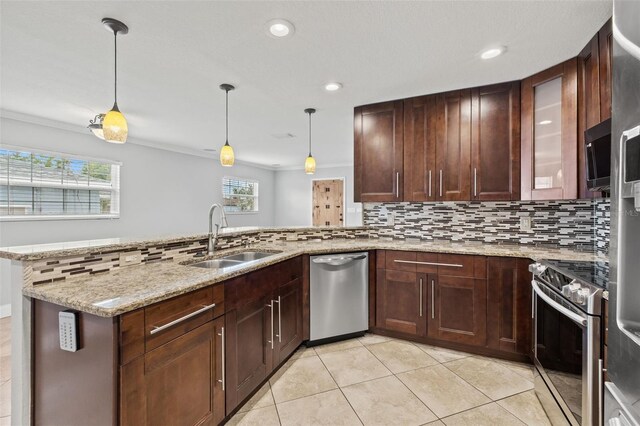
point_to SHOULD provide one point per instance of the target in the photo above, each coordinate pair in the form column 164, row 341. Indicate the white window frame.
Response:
column 256, row 196
column 115, row 189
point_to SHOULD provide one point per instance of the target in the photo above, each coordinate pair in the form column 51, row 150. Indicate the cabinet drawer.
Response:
column 170, row 319
column 462, row 265
column 424, row 266
column 395, row 260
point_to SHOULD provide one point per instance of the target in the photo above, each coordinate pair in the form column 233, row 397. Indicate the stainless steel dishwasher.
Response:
column 339, row 293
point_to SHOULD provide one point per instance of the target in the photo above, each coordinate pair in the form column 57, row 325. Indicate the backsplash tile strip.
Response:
column 582, row 224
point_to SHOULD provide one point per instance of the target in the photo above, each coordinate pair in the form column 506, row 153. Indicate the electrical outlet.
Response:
column 391, row 219
column 526, row 223
column 130, row 258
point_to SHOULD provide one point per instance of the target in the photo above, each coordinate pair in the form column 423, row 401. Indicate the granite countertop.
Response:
column 77, row 248
column 132, row 287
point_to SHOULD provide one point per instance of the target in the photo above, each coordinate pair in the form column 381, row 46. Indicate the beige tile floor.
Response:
column 376, row 380
column 5, row 371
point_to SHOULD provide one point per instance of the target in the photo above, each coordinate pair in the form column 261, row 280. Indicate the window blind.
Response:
column 34, row 185
column 239, row 195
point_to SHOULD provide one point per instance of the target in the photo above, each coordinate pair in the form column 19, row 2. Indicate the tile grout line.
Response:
column 408, row 388
column 340, row 389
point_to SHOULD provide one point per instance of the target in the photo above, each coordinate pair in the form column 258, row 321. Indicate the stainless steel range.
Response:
column 567, row 312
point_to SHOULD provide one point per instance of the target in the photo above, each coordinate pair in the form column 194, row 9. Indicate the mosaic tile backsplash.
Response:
column 581, row 224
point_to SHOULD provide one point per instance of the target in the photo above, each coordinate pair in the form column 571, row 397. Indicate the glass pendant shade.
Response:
column 97, row 131
column 310, row 165
column 114, row 126
column 227, row 157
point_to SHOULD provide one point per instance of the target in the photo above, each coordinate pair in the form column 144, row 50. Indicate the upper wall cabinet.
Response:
column 420, row 149
column 594, row 94
column 549, row 134
column 453, row 145
column 495, row 142
column 378, row 152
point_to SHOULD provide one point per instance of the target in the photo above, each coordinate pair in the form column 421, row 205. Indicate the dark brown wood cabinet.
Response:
column 264, row 326
column 474, row 303
column 495, row 142
column 289, row 319
column 400, row 301
column 453, row 146
column 509, row 320
column 420, row 174
column 594, row 94
column 172, row 373
column 378, row 152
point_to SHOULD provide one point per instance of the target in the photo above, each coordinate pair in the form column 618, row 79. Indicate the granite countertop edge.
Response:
column 78, row 248
column 128, row 288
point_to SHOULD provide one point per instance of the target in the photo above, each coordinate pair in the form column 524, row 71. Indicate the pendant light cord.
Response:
column 309, row 134
column 115, row 67
column 227, row 116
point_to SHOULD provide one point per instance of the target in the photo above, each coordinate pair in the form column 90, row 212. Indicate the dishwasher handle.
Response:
column 338, row 261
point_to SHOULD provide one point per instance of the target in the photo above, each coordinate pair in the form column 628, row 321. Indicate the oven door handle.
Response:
column 578, row 319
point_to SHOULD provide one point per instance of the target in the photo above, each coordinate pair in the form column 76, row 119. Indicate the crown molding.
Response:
column 323, row 167
column 41, row 121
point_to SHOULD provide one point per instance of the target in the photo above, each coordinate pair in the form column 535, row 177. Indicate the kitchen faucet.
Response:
column 213, row 236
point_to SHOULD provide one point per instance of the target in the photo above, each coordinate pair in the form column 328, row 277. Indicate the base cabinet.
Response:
column 467, row 301
column 460, row 310
column 289, row 319
column 509, row 305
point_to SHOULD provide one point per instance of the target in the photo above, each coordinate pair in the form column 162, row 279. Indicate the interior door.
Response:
column 328, row 202
column 453, row 146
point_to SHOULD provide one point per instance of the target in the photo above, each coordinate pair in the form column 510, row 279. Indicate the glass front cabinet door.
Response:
column 549, row 134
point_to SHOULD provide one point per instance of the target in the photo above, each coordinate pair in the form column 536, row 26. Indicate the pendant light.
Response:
column 310, row 162
column 227, row 156
column 114, row 125
column 95, row 126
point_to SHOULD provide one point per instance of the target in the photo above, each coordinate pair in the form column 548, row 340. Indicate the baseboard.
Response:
column 5, row 310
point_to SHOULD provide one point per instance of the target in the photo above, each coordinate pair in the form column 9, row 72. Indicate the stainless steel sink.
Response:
column 232, row 260
column 248, row 256
column 216, row 264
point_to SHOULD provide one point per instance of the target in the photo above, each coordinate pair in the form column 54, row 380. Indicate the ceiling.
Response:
column 57, row 63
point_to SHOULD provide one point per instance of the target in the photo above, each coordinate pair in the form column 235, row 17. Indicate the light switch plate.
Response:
column 526, row 223
column 130, row 258
column 68, row 329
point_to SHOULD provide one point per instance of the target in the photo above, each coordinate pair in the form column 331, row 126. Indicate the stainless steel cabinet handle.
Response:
column 224, row 361
column 558, row 307
column 441, row 182
column 420, row 296
column 397, row 184
column 433, row 299
column 157, row 329
column 414, row 262
column 429, row 183
column 270, row 306
column 279, row 335
column 475, row 182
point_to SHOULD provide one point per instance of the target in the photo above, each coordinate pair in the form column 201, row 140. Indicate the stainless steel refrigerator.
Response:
column 622, row 394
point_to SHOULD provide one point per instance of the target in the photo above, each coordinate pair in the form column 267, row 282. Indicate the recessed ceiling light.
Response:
column 493, row 52
column 545, row 122
column 280, row 28
column 332, row 87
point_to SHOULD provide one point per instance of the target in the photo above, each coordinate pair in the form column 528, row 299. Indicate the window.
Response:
column 239, row 195
column 42, row 185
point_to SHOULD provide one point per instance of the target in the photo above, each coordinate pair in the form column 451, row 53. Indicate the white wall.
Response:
column 162, row 192
column 293, row 191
